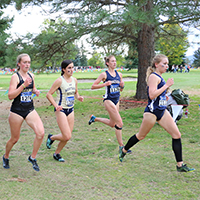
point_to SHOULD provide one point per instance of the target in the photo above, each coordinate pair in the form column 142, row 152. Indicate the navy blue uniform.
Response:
column 23, row 103
column 158, row 105
column 112, row 91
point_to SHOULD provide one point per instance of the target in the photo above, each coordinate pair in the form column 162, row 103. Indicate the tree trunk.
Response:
column 145, row 45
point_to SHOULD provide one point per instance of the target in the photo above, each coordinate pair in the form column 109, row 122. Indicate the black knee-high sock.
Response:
column 131, row 142
column 177, row 148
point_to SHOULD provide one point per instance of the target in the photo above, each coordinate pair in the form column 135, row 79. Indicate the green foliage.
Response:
column 196, row 62
column 173, row 46
column 81, row 59
column 53, row 44
column 4, row 3
column 114, row 25
column 16, row 47
column 132, row 57
column 5, row 24
column 96, row 60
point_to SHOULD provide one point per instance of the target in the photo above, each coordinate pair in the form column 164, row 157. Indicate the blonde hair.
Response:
column 157, row 59
column 19, row 58
column 107, row 59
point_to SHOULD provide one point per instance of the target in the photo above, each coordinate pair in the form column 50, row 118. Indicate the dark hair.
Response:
column 64, row 64
column 107, row 59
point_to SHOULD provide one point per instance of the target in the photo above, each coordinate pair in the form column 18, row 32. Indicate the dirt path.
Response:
column 92, row 80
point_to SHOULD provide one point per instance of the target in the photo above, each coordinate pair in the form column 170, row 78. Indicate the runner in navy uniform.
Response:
column 113, row 83
column 21, row 89
column 156, row 111
column 158, row 105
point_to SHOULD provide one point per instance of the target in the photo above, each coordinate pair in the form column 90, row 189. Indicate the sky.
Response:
column 26, row 21
column 30, row 19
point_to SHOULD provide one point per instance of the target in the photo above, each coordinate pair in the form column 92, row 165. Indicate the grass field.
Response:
column 92, row 170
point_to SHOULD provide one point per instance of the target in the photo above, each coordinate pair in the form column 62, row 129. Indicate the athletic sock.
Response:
column 131, row 142
column 177, row 148
column 32, row 158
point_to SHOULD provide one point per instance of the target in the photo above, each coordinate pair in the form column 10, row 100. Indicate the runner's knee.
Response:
column 117, row 127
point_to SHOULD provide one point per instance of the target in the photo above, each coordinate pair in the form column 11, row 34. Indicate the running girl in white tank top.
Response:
column 66, row 89
column 65, row 93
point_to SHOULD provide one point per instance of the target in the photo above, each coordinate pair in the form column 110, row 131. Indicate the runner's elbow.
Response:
column 10, row 97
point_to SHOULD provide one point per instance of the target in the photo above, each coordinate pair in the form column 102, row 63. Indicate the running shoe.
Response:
column 121, row 154
column 184, row 168
column 92, row 119
column 6, row 163
column 49, row 141
column 129, row 151
column 58, row 157
column 34, row 163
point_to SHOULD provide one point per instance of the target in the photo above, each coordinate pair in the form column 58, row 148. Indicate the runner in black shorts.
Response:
column 21, row 88
column 113, row 83
column 156, row 111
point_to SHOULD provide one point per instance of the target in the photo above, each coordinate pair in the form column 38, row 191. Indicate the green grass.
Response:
column 92, row 170
column 188, row 81
column 44, row 81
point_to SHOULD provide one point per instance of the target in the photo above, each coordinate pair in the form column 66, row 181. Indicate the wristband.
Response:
column 23, row 85
column 122, row 87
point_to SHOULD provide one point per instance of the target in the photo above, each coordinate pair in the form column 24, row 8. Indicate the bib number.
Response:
column 114, row 89
column 162, row 102
column 26, row 97
column 70, row 101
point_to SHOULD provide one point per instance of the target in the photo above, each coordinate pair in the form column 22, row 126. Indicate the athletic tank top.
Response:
column 65, row 93
column 160, row 101
column 113, row 90
column 24, row 100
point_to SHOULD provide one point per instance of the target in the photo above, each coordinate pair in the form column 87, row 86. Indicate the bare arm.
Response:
column 35, row 91
column 121, row 82
column 53, row 88
column 97, row 85
column 77, row 96
column 13, row 91
column 153, row 82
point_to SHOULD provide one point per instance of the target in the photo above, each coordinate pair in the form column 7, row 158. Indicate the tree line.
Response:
column 144, row 27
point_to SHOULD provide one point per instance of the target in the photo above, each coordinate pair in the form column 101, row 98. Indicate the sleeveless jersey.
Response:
column 23, row 101
column 160, row 101
column 113, row 90
column 65, row 93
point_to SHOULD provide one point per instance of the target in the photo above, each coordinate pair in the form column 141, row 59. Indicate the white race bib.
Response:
column 70, row 101
column 26, row 97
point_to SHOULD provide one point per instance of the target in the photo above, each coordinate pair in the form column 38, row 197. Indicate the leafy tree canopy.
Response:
column 173, row 43
column 196, row 62
column 53, row 44
column 5, row 24
column 124, row 22
column 96, row 60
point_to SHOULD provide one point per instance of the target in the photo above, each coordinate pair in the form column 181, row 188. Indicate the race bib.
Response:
column 26, row 97
column 114, row 88
column 162, row 101
column 70, row 101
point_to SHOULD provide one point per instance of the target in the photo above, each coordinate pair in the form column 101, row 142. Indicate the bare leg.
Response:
column 15, row 122
column 66, row 125
column 147, row 124
column 34, row 121
column 115, row 119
